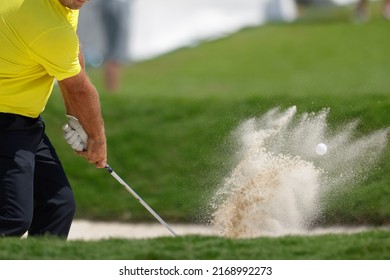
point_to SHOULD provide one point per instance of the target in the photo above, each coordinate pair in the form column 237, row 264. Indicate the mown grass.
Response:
column 374, row 245
column 168, row 129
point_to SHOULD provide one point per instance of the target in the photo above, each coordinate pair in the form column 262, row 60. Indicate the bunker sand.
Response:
column 91, row 230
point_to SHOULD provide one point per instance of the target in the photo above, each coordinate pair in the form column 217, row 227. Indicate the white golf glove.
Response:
column 75, row 134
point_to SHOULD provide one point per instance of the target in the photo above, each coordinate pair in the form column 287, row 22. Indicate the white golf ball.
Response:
column 321, row 149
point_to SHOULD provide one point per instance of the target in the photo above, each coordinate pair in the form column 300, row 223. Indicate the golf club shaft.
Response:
column 130, row 190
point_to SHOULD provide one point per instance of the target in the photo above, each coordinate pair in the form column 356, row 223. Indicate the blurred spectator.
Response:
column 115, row 16
column 362, row 11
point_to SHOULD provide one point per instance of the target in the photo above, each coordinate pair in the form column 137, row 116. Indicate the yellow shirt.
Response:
column 38, row 43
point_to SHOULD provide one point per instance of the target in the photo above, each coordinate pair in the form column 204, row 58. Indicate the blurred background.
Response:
column 157, row 27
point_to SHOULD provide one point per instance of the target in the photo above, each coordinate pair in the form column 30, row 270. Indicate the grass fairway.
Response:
column 168, row 137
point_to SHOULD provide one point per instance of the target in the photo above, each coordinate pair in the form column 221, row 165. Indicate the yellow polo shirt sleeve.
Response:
column 57, row 51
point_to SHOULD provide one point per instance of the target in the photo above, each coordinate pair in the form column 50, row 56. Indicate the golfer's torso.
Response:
column 37, row 44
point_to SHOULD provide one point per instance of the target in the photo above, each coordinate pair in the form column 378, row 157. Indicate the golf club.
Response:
column 130, row 190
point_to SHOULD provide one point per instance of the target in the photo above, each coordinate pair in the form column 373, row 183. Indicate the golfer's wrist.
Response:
column 100, row 140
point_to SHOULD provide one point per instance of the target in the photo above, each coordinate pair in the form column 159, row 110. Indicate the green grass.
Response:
column 374, row 245
column 168, row 129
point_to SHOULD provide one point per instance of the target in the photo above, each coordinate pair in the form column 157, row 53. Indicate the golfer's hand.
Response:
column 96, row 152
column 74, row 134
column 93, row 149
column 73, row 138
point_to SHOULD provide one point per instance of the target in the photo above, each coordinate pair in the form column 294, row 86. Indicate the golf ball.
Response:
column 321, row 149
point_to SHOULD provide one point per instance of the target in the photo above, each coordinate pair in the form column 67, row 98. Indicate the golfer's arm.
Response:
column 82, row 101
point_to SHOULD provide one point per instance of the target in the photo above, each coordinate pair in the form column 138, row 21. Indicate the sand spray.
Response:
column 276, row 186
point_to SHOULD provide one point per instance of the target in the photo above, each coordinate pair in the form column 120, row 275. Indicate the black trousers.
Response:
column 35, row 195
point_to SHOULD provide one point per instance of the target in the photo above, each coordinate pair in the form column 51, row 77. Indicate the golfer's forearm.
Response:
column 82, row 101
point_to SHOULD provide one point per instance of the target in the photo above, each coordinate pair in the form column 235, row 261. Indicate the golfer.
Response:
column 38, row 44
